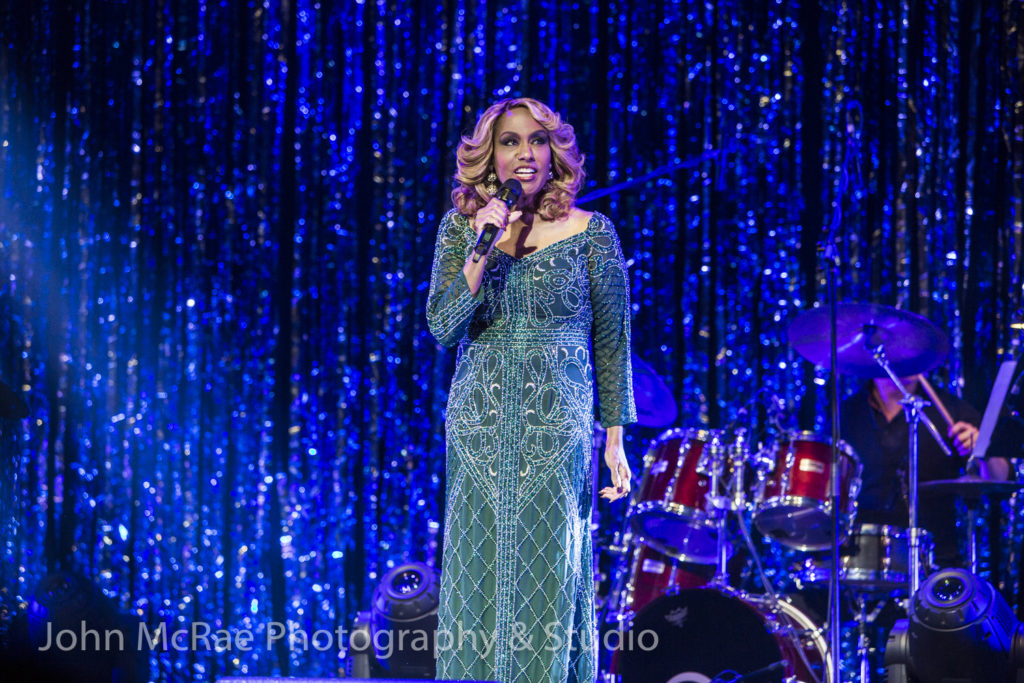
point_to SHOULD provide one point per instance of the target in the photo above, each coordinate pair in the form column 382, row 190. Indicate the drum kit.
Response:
column 668, row 579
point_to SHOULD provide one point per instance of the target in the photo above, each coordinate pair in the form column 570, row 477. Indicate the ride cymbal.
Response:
column 913, row 344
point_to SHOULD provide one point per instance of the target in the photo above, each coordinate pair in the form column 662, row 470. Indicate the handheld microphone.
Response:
column 509, row 193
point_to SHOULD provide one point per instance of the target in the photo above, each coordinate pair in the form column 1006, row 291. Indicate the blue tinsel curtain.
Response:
column 216, row 227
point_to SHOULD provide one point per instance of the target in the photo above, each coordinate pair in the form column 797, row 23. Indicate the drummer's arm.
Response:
column 996, row 469
column 965, row 436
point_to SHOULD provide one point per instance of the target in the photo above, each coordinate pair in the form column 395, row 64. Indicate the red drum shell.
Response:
column 796, row 509
column 668, row 511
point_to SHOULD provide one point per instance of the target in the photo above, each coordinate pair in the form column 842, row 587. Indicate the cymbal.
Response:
column 968, row 487
column 912, row 343
column 12, row 405
column 655, row 406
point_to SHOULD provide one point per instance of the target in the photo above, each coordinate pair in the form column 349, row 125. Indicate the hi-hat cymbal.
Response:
column 655, row 406
column 912, row 344
column 968, row 487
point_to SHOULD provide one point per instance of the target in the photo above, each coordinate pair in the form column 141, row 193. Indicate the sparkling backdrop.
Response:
column 216, row 225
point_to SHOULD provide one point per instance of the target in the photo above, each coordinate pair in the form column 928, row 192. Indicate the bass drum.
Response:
column 704, row 634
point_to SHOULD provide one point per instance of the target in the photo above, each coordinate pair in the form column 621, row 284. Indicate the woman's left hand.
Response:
column 615, row 458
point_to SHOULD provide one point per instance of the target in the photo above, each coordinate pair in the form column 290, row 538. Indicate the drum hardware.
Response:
column 971, row 489
column 882, row 341
column 713, row 462
column 869, row 332
column 914, row 408
column 771, row 597
column 863, row 636
column 692, row 480
column 740, row 454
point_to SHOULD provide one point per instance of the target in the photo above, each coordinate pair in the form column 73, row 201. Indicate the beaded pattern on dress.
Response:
column 516, row 587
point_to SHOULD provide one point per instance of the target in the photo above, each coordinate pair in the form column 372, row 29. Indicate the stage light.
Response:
column 960, row 630
column 397, row 637
column 76, row 633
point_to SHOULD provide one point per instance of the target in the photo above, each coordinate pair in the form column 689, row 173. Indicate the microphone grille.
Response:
column 510, row 191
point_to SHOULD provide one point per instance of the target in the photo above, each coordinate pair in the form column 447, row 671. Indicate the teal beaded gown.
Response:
column 517, row 603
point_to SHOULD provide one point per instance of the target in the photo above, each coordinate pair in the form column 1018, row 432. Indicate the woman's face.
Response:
column 522, row 150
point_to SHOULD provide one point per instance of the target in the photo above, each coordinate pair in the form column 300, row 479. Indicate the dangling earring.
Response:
column 491, row 183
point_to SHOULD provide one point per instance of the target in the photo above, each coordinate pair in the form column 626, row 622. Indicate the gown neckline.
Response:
column 554, row 244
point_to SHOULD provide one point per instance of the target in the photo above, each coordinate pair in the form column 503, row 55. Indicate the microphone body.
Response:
column 509, row 193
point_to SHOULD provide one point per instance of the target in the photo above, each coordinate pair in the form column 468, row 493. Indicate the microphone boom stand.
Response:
column 832, row 260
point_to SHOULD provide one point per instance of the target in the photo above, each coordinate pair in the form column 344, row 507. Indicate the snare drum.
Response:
column 796, row 508
column 668, row 511
column 875, row 557
column 699, row 634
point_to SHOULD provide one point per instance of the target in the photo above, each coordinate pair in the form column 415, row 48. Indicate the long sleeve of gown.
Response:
column 450, row 303
column 609, row 298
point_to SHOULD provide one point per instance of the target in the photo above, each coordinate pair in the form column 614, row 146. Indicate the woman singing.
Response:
column 517, row 588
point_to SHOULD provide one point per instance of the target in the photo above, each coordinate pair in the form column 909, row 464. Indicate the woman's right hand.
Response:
column 495, row 212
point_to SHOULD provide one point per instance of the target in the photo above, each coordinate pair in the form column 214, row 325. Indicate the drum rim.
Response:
column 863, row 580
column 675, row 553
column 887, row 530
column 684, row 512
column 850, row 513
column 673, row 433
column 629, row 591
column 817, row 437
column 845, row 522
column 761, row 606
column 799, row 502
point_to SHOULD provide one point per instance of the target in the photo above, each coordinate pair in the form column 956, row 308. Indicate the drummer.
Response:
column 873, row 422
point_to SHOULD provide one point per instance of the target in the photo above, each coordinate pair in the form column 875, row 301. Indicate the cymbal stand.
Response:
column 741, row 455
column 733, row 498
column 619, row 575
column 864, row 644
column 789, row 628
column 914, row 407
column 972, row 533
column 713, row 462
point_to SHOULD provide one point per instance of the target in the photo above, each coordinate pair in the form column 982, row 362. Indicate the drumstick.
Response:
column 930, row 390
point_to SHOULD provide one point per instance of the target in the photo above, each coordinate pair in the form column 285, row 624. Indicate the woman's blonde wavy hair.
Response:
column 475, row 156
